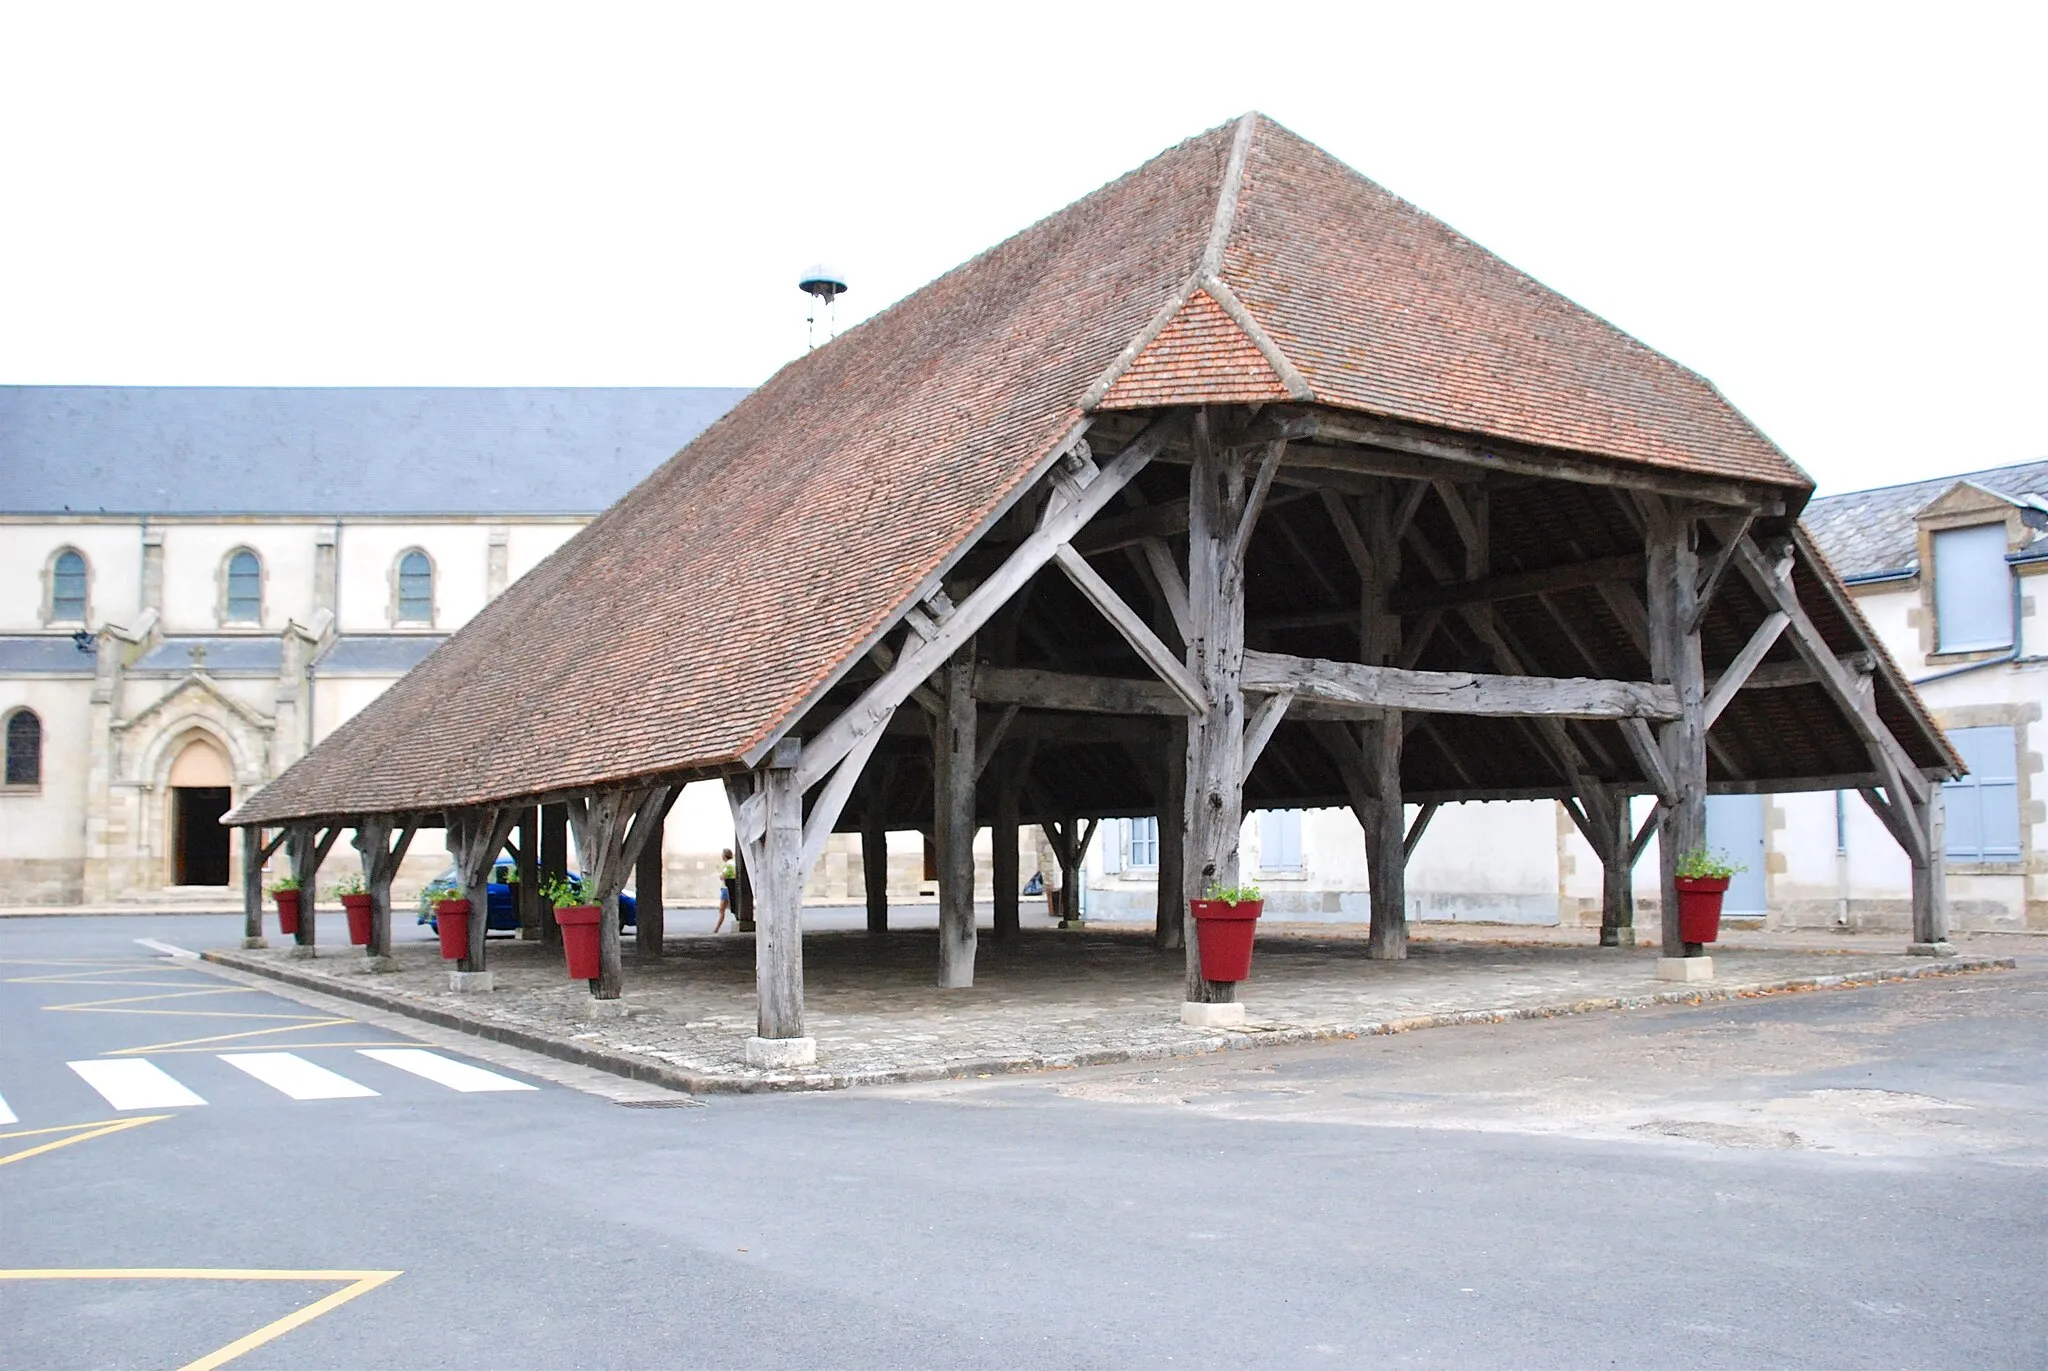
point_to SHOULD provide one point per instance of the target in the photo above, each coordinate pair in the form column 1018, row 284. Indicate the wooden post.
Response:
column 612, row 829
column 1170, row 910
column 253, row 854
column 554, row 864
column 1221, row 509
column 649, row 898
column 1385, row 852
column 953, row 763
column 374, row 837
column 1617, row 872
column 874, row 850
column 1006, row 916
column 1379, row 643
column 1672, row 582
column 1069, row 851
column 1930, row 886
column 527, row 893
column 475, row 837
column 308, row 847
column 779, row 946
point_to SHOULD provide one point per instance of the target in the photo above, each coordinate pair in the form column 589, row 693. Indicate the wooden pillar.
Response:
column 1672, row 592
column 953, row 763
column 526, row 894
column 1170, row 912
column 308, row 847
column 381, row 857
column 1386, row 857
column 874, row 850
column 1006, row 916
column 253, row 853
column 649, row 898
column 779, row 945
column 554, row 864
column 1930, row 884
column 1219, row 499
column 1617, row 871
column 1071, row 854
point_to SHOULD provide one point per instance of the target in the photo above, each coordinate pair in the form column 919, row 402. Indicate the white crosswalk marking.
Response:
column 442, row 1070
column 295, row 1076
column 6, row 1114
column 134, row 1084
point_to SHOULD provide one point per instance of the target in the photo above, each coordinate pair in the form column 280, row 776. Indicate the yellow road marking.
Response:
column 138, row 999
column 75, row 977
column 80, row 1132
column 359, row 1283
column 226, row 1037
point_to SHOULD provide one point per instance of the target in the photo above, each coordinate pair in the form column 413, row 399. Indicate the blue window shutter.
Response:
column 1972, row 589
column 1983, row 808
column 1113, row 845
column 1280, row 840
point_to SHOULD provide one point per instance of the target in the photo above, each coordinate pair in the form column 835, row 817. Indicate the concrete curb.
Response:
column 1252, row 1035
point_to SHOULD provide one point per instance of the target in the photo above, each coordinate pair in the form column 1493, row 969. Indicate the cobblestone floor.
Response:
column 1050, row 998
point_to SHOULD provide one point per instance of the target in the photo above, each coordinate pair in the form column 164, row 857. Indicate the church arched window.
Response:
column 68, row 586
column 415, row 588
column 242, row 588
column 24, row 748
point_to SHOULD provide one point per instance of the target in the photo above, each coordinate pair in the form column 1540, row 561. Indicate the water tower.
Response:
column 824, row 286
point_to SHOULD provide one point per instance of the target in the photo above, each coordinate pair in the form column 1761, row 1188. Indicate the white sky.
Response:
column 1836, row 214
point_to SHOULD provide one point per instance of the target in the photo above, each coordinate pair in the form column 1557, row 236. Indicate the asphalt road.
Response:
column 1843, row 1179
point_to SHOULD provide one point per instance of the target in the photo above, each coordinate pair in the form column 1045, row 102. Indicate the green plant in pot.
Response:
column 1225, row 919
column 1703, row 877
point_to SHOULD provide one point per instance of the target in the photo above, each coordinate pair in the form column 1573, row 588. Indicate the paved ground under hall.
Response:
column 1050, row 999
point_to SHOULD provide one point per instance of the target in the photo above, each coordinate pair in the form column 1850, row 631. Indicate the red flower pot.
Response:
column 1223, row 934
column 451, row 921
column 581, row 924
column 358, row 907
column 287, row 912
column 1699, row 907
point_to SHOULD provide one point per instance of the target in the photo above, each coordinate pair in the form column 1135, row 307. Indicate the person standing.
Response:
column 728, row 887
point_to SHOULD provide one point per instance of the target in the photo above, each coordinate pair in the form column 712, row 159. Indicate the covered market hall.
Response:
column 1238, row 483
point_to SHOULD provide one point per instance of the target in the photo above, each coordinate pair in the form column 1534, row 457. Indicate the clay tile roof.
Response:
column 699, row 614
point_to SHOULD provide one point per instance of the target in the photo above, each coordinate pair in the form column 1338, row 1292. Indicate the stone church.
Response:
column 197, row 584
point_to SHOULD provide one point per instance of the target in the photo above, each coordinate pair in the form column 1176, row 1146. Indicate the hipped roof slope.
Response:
column 692, row 620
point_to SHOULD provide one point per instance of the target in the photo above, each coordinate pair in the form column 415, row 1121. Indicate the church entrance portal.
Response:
column 200, row 795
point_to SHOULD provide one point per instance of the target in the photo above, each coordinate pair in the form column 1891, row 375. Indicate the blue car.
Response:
column 504, row 910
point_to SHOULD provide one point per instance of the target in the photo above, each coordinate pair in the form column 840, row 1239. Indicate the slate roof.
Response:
column 375, row 654
column 369, row 450
column 695, row 618
column 1871, row 532
column 43, row 654
column 225, row 655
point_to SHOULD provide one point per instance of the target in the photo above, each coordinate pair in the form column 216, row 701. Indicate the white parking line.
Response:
column 442, row 1070
column 295, row 1076
column 6, row 1114
column 168, row 950
column 134, row 1085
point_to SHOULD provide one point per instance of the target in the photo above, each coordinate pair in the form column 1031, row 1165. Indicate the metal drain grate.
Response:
column 685, row 1103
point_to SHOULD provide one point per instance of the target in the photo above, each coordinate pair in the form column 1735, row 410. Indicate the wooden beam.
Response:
column 1154, row 653
column 831, row 800
column 1671, row 581
column 1263, row 718
column 1255, row 503
column 1516, row 584
column 1036, row 689
column 1856, row 706
column 1310, row 459
column 1457, row 692
column 1643, row 744
column 953, row 771
column 917, row 664
column 1497, row 455
column 1417, row 828
column 779, row 898
column 1710, row 579
column 1745, row 664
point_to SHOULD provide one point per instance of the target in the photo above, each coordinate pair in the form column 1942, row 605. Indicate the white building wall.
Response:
column 112, row 548
column 195, row 571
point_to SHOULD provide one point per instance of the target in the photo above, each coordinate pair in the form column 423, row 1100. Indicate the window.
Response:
column 1972, row 589
column 244, row 588
column 1144, row 845
column 67, row 587
column 24, row 748
column 1983, row 808
column 415, row 588
column 1280, row 840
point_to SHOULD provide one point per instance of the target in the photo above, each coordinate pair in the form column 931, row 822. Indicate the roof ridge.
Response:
column 1931, row 480
column 1227, row 192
